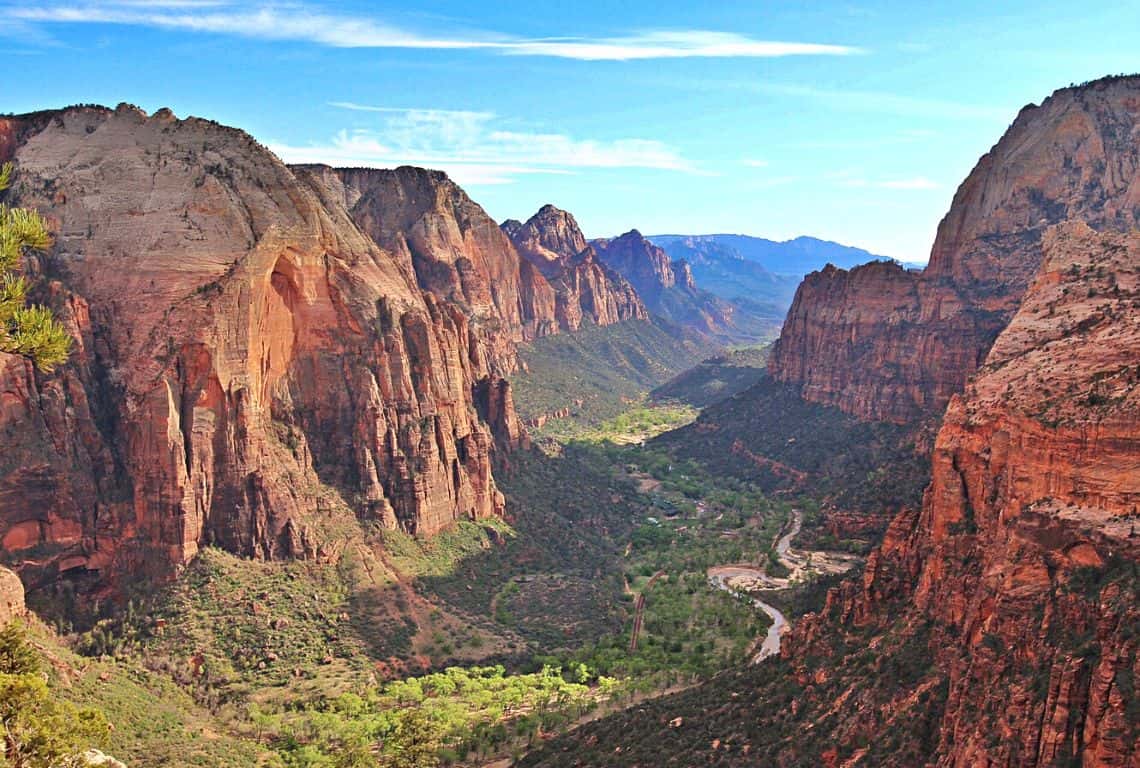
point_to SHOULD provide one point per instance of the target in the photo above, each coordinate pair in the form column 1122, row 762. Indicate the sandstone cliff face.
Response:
column 252, row 369
column 548, row 238
column 667, row 288
column 583, row 287
column 456, row 251
column 1025, row 558
column 882, row 343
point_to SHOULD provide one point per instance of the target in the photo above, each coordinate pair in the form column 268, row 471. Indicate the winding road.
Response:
column 720, row 575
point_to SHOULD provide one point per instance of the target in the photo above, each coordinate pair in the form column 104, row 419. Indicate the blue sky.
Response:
column 852, row 121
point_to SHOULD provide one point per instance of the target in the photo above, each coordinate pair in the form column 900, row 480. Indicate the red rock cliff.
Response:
column 883, row 343
column 667, row 288
column 551, row 242
column 1025, row 557
column 252, row 369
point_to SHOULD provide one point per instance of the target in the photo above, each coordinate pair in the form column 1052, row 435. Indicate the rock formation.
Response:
column 1025, row 556
column 551, row 243
column 884, row 343
column 252, row 368
column 11, row 596
column 666, row 287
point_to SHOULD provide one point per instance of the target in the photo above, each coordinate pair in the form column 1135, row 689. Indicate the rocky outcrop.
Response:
column 11, row 596
column 1025, row 557
column 667, row 288
column 456, row 251
column 884, row 343
column 548, row 238
column 583, row 287
column 252, row 368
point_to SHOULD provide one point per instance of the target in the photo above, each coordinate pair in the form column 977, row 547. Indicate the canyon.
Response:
column 273, row 360
column 1035, row 489
column 996, row 623
column 269, row 357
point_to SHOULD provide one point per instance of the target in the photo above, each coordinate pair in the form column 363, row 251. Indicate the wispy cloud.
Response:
column 300, row 23
column 473, row 149
column 754, row 163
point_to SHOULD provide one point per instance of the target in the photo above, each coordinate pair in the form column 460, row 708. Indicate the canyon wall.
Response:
column 884, row 343
column 553, row 247
column 252, row 368
column 1025, row 559
column 667, row 287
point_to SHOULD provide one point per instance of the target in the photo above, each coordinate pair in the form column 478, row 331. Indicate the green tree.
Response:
column 415, row 744
column 17, row 657
column 31, row 331
column 39, row 730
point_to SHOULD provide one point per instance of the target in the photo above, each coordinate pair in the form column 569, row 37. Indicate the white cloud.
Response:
column 673, row 45
column 755, row 163
column 298, row 23
column 471, row 149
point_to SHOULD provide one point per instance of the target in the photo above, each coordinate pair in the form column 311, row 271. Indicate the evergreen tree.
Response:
column 37, row 728
column 31, row 331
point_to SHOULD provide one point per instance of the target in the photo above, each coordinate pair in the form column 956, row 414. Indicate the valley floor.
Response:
column 476, row 645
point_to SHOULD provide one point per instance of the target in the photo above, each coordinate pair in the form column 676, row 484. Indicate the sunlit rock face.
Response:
column 582, row 287
column 883, row 343
column 1023, row 559
column 260, row 357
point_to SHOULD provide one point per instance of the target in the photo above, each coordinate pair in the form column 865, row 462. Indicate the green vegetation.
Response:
column 715, row 379
column 442, row 718
column 763, row 715
column 410, row 651
column 31, row 331
column 597, row 372
column 636, row 425
column 786, row 444
column 38, row 729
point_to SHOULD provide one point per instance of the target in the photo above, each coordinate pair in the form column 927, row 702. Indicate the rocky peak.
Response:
column 551, row 243
column 512, row 227
column 667, row 287
column 549, row 238
column 641, row 262
column 451, row 246
column 890, row 344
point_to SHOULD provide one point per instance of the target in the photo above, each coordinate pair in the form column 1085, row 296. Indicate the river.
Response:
column 720, row 575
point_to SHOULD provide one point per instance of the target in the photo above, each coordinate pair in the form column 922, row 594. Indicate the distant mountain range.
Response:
column 761, row 274
column 791, row 257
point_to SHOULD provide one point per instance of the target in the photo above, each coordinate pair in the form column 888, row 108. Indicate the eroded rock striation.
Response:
column 264, row 355
column 885, row 343
column 1025, row 560
column 553, row 247
column 666, row 286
